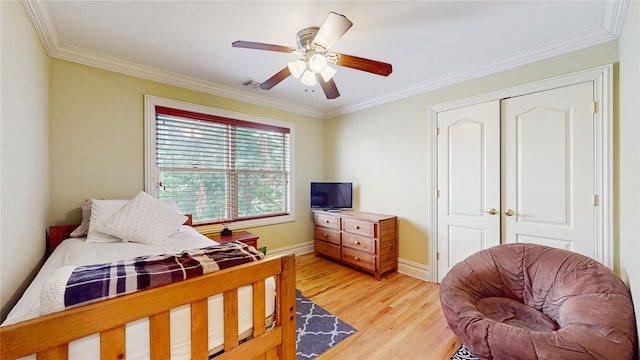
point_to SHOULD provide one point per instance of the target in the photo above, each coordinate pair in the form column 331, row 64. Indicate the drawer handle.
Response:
column 356, row 258
column 356, row 226
column 357, row 242
column 326, row 235
column 327, row 221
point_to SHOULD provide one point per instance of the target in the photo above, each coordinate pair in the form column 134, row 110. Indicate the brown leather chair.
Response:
column 526, row 301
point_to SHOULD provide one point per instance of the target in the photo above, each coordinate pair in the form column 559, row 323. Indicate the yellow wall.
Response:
column 97, row 143
column 24, row 180
column 383, row 150
column 628, row 155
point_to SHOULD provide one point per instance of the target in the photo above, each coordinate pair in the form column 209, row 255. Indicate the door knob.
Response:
column 491, row 211
column 509, row 212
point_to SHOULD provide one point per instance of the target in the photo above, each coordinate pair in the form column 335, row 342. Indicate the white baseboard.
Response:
column 413, row 269
column 297, row 249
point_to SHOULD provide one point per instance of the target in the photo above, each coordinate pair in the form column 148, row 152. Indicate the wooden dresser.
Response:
column 365, row 240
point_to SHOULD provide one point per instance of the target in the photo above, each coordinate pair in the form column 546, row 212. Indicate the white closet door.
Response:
column 468, row 182
column 548, row 169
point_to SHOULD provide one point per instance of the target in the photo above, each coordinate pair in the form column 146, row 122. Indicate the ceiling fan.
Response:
column 313, row 45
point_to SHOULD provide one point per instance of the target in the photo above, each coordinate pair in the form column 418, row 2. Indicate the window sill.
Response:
column 245, row 224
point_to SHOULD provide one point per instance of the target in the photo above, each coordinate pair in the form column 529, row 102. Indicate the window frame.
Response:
column 151, row 176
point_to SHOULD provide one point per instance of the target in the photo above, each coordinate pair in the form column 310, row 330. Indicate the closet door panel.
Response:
column 548, row 168
column 465, row 157
column 468, row 182
column 543, row 157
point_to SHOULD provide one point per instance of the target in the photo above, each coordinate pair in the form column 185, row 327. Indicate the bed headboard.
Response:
column 59, row 233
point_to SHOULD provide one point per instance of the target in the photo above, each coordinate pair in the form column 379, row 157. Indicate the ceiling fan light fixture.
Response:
column 328, row 73
column 317, row 63
column 313, row 47
column 297, row 68
column 308, row 78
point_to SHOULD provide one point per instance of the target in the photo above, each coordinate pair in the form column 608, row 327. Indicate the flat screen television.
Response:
column 332, row 195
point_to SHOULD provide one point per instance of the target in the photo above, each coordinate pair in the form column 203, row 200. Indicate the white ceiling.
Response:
column 429, row 43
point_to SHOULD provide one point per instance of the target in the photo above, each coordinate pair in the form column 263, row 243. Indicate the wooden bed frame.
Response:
column 48, row 336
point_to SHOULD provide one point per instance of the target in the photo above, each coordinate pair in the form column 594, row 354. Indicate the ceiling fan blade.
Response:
column 262, row 46
column 329, row 87
column 334, row 26
column 358, row 63
column 275, row 79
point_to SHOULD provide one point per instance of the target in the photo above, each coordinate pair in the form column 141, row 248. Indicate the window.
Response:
column 217, row 165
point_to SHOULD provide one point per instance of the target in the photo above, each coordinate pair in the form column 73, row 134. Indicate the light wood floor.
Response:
column 398, row 317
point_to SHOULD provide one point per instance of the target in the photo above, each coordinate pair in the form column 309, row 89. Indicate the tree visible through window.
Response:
column 221, row 169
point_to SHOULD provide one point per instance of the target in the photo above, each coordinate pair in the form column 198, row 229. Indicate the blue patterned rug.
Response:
column 463, row 354
column 317, row 329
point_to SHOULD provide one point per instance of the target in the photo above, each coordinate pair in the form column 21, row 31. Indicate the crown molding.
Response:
column 44, row 24
column 84, row 57
column 613, row 17
column 42, row 20
column 613, row 14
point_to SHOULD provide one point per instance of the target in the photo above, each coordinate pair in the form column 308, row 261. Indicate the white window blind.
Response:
column 221, row 169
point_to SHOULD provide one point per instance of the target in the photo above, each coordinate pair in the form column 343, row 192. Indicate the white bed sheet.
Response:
column 76, row 252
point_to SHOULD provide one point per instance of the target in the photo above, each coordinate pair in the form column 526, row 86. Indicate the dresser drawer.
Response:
column 328, row 221
column 359, row 242
column 329, row 235
column 358, row 258
column 360, row 227
column 327, row 249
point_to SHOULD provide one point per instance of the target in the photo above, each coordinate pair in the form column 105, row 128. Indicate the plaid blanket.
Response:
column 92, row 283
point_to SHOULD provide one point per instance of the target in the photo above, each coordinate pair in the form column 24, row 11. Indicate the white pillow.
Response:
column 83, row 228
column 101, row 211
column 144, row 219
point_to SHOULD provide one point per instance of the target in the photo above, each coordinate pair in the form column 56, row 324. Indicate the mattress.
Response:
column 76, row 252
